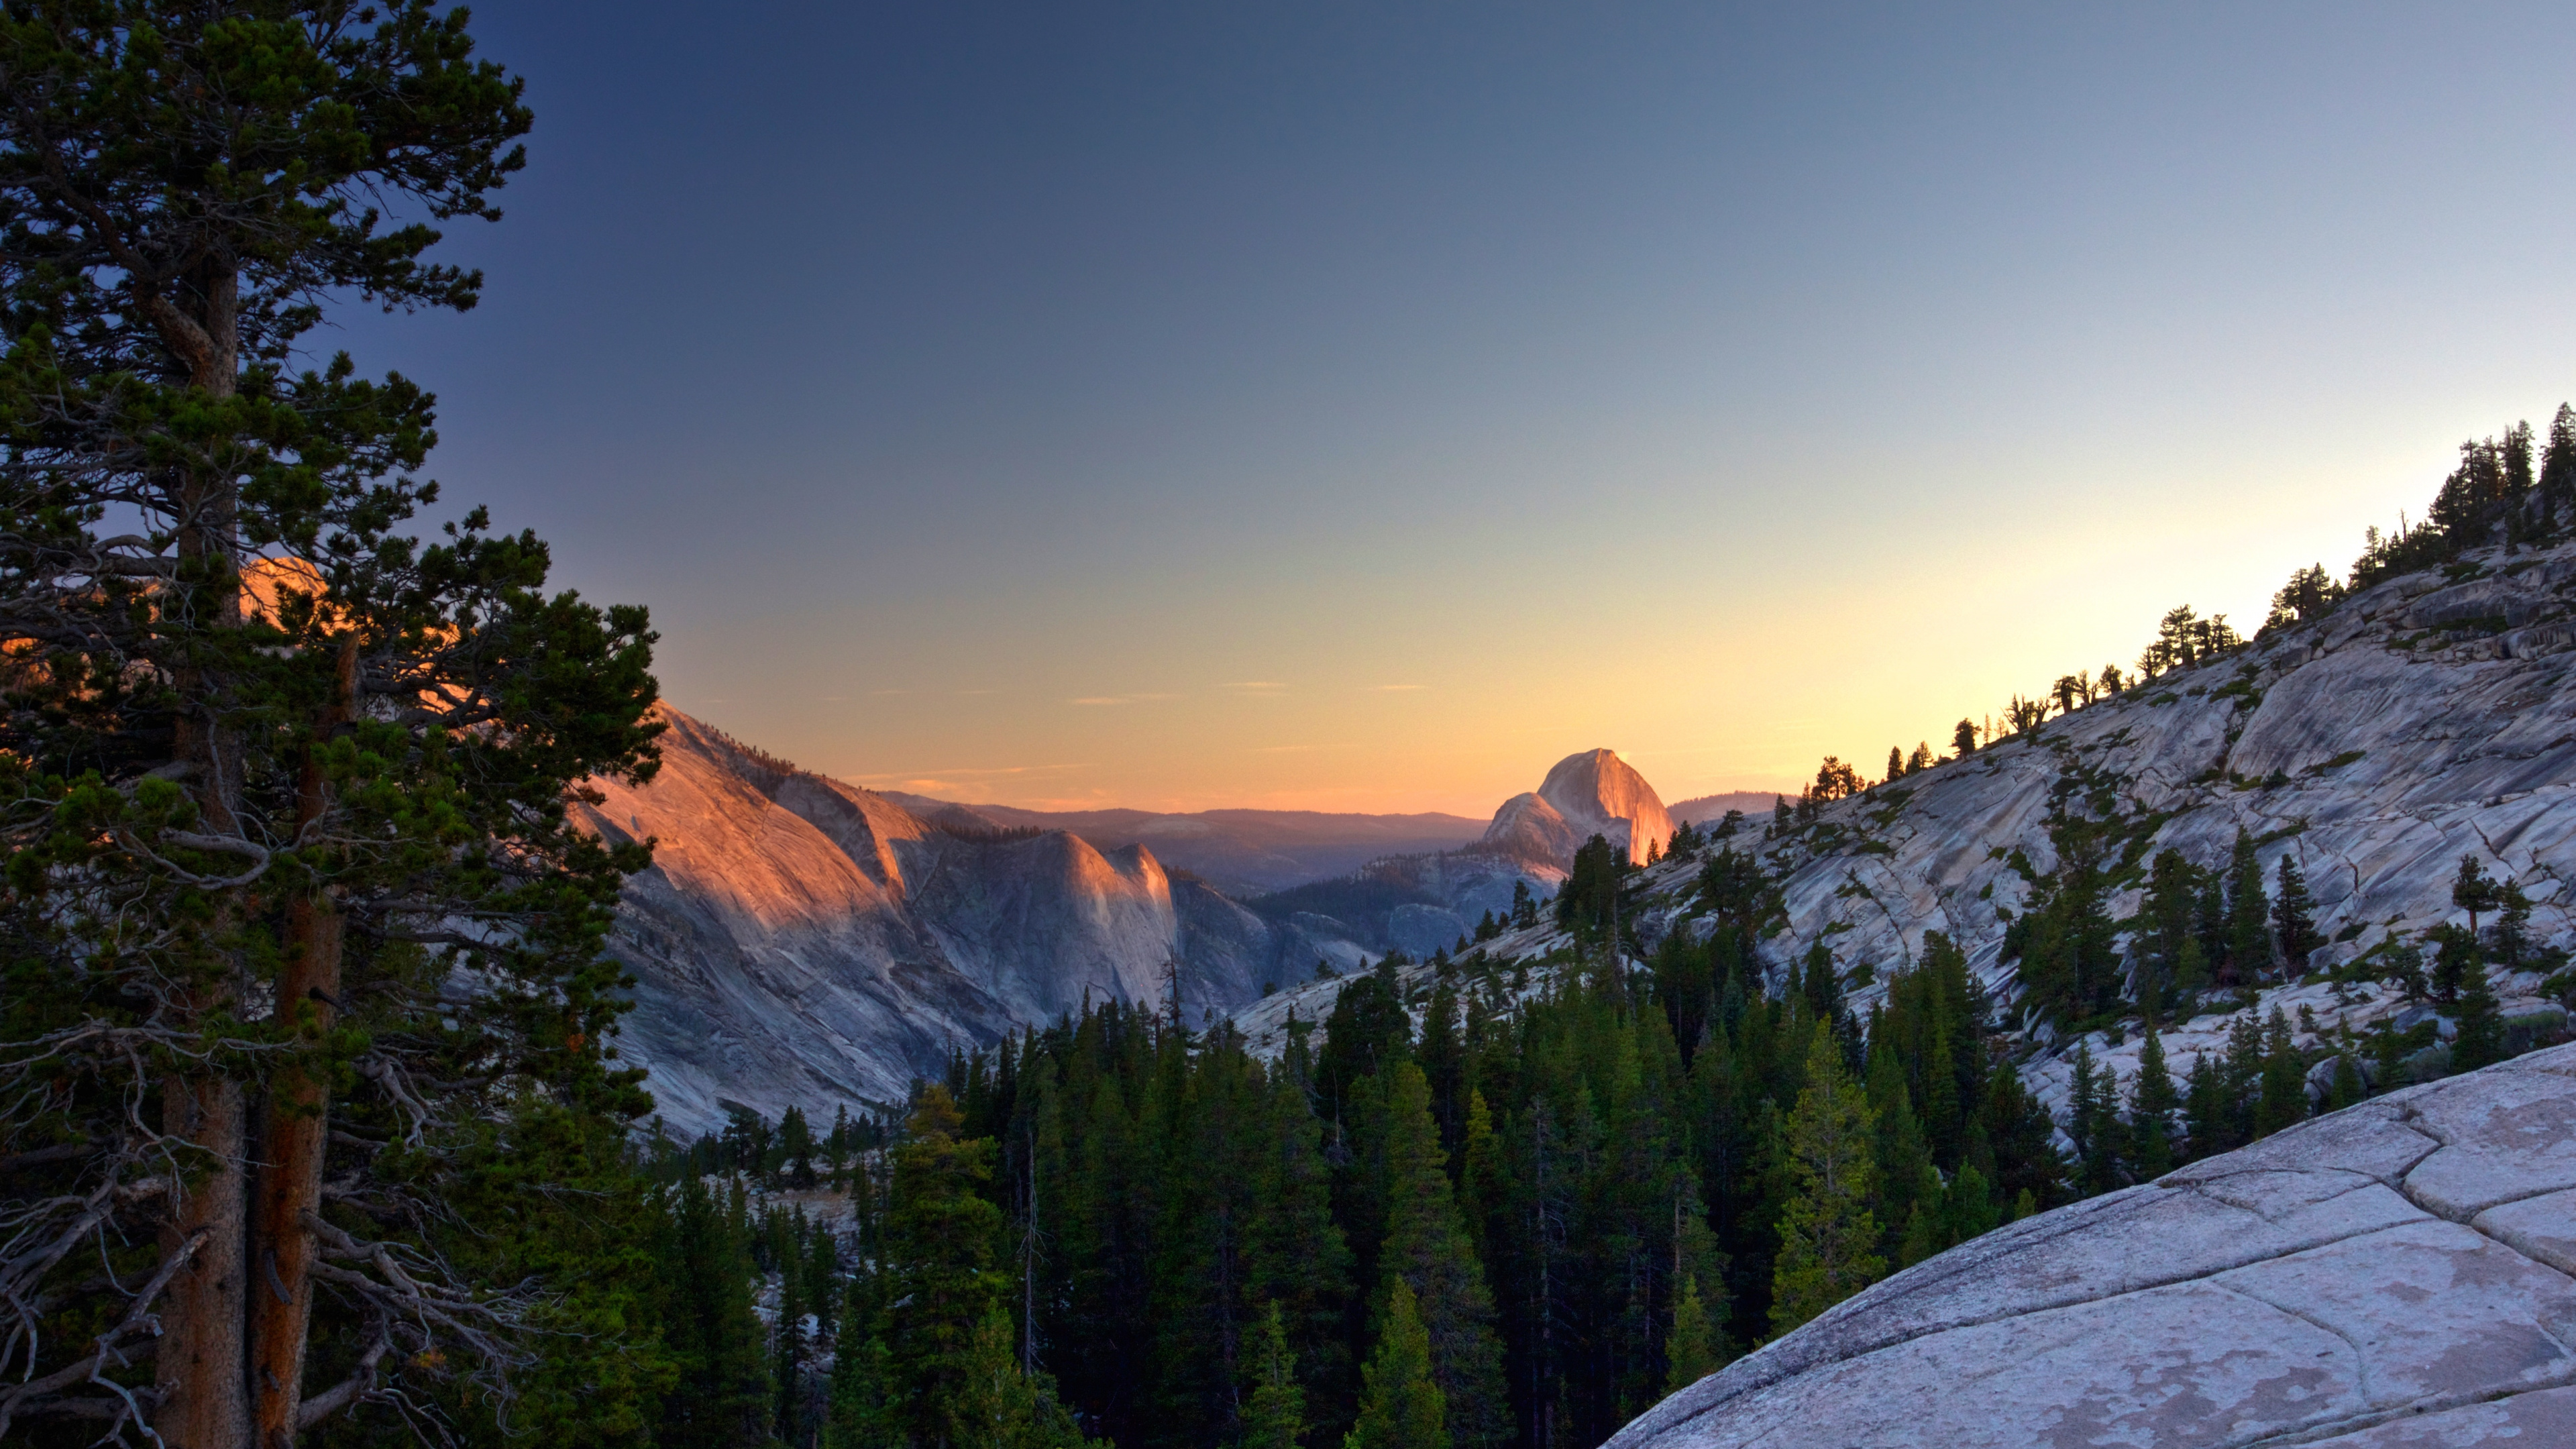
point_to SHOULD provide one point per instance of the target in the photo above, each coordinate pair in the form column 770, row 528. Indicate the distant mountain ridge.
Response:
column 800, row 940
column 1706, row 809
column 1240, row 852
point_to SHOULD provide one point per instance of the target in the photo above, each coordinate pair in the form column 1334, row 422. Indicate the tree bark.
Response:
column 289, row 1191
column 199, row 1365
column 202, row 1368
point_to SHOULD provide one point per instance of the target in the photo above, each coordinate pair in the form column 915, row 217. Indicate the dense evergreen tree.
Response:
column 722, row 1394
column 2294, row 920
column 1425, row 1250
column 2455, row 960
column 1274, row 1416
column 1401, row 1406
column 1695, row 1349
column 2474, row 891
column 2152, row 1104
column 1828, row 1238
column 2480, row 1041
column 941, row 1235
column 265, row 756
column 2249, row 931
column 2557, row 481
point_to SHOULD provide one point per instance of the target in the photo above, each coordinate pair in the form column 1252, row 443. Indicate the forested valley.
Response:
column 1512, row 1206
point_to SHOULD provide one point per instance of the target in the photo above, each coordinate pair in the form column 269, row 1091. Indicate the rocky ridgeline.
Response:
column 2432, row 716
column 802, row 942
column 2392, row 1276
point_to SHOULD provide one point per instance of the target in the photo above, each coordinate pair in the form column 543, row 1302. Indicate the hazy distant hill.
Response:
column 1241, row 852
column 1706, row 808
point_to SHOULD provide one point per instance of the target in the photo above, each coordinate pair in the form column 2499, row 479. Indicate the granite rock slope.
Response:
column 803, row 941
column 2431, row 716
column 2377, row 745
column 2396, row 1274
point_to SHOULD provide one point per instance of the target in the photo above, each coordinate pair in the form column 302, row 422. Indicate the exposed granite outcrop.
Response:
column 2396, row 1274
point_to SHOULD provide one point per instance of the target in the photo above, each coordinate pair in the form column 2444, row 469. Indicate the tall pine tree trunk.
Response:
column 202, row 1366
column 288, row 1195
column 198, row 1367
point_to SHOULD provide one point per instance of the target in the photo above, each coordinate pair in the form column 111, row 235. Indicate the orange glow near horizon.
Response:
column 1730, row 672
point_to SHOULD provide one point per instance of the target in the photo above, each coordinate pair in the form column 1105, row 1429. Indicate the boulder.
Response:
column 2395, row 1274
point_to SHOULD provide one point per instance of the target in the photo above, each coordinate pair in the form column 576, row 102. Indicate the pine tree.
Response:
column 2022, row 1137
column 2473, row 891
column 1693, row 1352
column 2402, row 966
column 861, row 1412
column 2209, row 924
column 1827, row 1235
column 1425, row 1253
column 2152, row 1101
column 2284, row 1079
column 940, row 1237
column 2508, row 941
column 2205, row 1108
column 1274, row 1416
column 721, row 1396
column 2455, row 960
column 2165, row 931
column 257, row 735
column 2094, row 1124
column 1400, row 1407
column 2480, row 1041
column 994, row 1405
column 2294, row 920
column 2249, row 936
column 1896, row 762
column 796, row 1148
column 1963, row 738
column 1298, row 1258
column 2557, row 482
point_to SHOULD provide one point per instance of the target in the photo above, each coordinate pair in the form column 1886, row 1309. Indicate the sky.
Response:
column 1362, row 406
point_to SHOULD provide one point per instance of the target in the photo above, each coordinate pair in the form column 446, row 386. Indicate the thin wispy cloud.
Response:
column 1396, row 688
column 1256, row 686
column 958, row 774
column 1097, row 699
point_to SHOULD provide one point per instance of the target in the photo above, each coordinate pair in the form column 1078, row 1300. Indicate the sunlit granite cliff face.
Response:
column 1593, row 793
column 803, row 941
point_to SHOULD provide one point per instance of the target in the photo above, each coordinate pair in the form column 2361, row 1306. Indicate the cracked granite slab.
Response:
column 2394, row 1276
